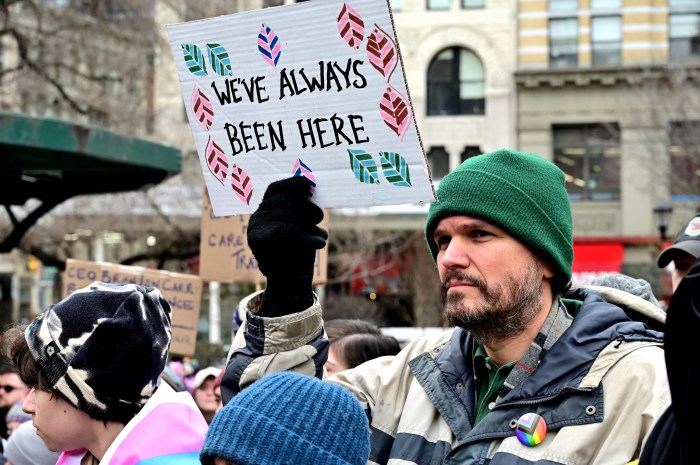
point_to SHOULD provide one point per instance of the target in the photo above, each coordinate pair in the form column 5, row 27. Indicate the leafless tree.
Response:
column 413, row 299
column 86, row 61
column 92, row 62
column 664, row 103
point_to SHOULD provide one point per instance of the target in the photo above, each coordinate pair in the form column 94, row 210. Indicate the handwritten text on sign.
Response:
column 313, row 89
column 225, row 256
column 183, row 292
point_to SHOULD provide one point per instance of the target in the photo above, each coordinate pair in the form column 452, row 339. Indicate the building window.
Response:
column 439, row 4
column 469, row 152
column 606, row 36
column 684, row 29
column 563, row 42
column 473, row 4
column 439, row 162
column 456, row 83
column 605, row 4
column 589, row 156
column 684, row 151
column 563, row 5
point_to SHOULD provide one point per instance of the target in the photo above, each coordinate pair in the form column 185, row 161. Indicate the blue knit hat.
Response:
column 288, row 418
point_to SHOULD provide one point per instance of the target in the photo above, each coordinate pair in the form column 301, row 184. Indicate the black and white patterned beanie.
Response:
column 103, row 347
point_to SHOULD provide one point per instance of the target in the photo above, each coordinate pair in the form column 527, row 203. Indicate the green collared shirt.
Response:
column 490, row 379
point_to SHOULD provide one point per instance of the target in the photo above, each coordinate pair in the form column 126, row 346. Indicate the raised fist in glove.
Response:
column 284, row 236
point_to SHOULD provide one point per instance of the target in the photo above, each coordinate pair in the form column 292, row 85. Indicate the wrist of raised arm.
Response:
column 284, row 297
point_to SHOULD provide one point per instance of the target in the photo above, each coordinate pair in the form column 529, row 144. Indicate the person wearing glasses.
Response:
column 94, row 361
column 12, row 390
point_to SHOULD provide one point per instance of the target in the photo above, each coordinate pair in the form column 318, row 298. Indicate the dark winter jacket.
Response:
column 600, row 388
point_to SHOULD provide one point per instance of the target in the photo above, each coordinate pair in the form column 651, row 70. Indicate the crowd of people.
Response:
column 532, row 370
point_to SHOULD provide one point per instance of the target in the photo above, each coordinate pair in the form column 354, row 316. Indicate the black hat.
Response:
column 687, row 240
column 103, row 347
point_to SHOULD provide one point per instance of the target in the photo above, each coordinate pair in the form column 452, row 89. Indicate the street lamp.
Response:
column 662, row 217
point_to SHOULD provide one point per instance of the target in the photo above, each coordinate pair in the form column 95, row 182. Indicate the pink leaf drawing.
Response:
column 269, row 45
column 202, row 108
column 394, row 110
column 241, row 184
column 381, row 51
column 300, row 169
column 216, row 161
column 351, row 26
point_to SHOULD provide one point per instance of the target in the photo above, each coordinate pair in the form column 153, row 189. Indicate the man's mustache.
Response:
column 460, row 276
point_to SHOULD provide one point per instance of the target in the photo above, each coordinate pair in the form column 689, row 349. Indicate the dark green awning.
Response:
column 52, row 160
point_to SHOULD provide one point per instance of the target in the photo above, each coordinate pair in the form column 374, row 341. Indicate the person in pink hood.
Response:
column 93, row 362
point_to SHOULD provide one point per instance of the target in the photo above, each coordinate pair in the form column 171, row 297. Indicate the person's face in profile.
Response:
column 61, row 425
column 681, row 266
column 335, row 363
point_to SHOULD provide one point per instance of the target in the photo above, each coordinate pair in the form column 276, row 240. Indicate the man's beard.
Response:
column 507, row 308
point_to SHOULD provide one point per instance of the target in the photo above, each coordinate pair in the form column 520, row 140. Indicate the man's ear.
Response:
column 547, row 271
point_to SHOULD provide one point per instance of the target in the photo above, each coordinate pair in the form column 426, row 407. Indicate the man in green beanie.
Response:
column 533, row 372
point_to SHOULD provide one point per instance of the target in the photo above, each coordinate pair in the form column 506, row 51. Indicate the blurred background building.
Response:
column 606, row 89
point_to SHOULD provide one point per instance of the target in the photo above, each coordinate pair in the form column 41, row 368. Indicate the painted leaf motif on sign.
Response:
column 300, row 169
column 219, row 59
column 395, row 169
column 241, row 184
column 394, row 111
column 381, row 52
column 194, row 59
column 216, row 161
column 269, row 45
column 202, row 108
column 351, row 26
column 363, row 166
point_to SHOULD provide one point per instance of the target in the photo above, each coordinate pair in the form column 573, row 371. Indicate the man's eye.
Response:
column 442, row 241
column 480, row 233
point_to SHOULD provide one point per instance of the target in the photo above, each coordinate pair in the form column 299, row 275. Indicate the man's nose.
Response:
column 455, row 255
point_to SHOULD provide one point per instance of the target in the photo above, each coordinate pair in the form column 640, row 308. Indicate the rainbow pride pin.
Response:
column 531, row 429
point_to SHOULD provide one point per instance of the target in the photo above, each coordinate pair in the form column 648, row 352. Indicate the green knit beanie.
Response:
column 522, row 193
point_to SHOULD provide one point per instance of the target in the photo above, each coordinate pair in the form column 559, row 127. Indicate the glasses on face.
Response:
column 9, row 388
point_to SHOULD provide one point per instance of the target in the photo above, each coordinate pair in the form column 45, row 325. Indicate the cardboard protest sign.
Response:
column 313, row 89
column 224, row 254
column 183, row 292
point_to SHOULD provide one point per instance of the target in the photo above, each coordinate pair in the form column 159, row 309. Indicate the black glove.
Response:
column 283, row 236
